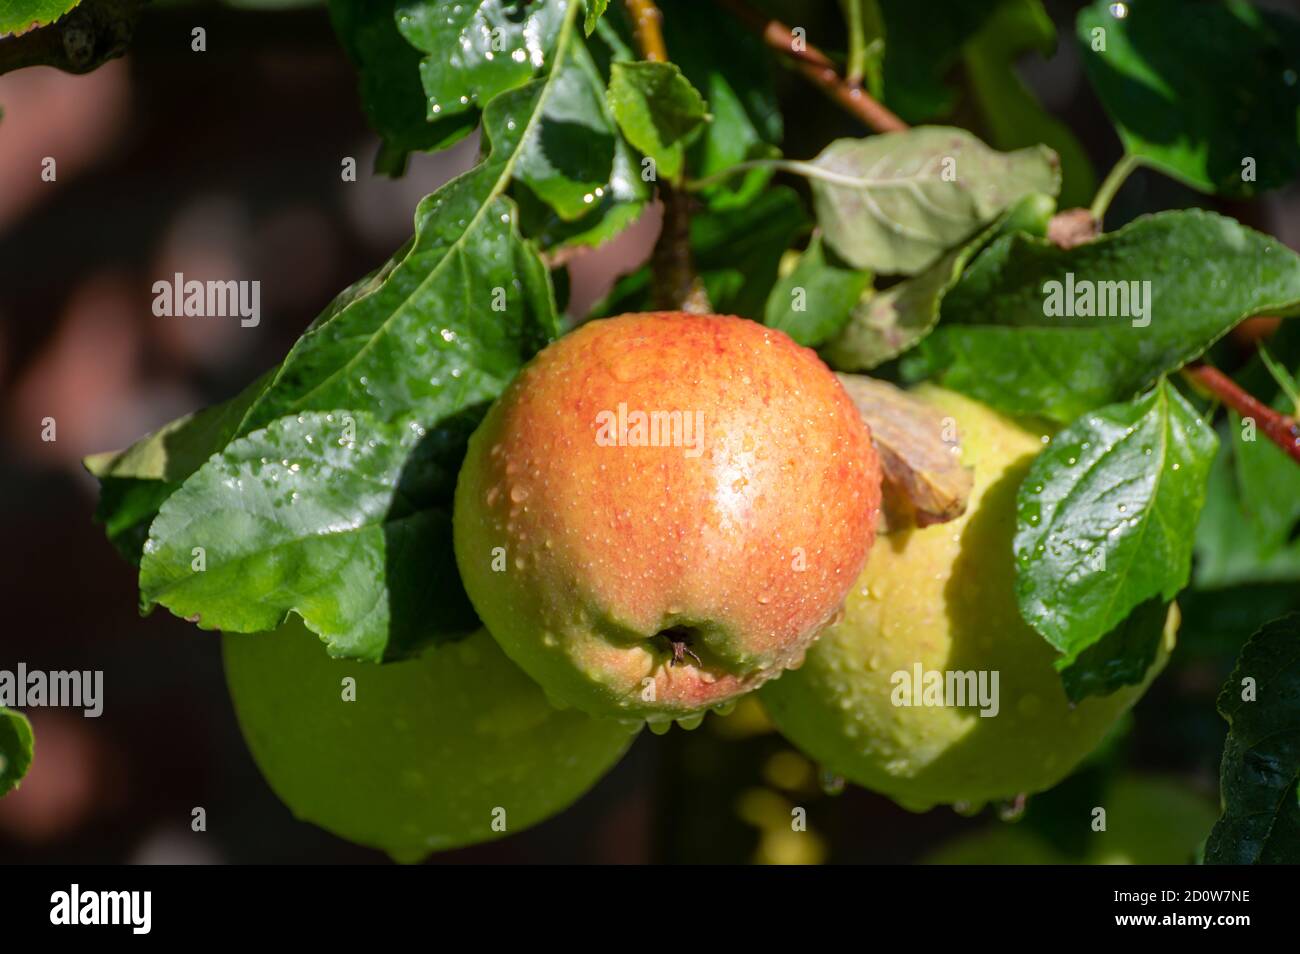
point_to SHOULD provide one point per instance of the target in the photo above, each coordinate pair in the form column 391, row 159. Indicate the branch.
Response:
column 92, row 33
column 1277, row 427
column 817, row 68
column 647, row 27
column 675, row 285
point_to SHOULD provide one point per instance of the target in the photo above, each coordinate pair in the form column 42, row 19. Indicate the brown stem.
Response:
column 675, row 284
column 92, row 33
column 647, row 26
column 1277, row 427
column 818, row 69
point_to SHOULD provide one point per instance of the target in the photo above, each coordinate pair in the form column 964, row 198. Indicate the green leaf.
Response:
column 1012, row 114
column 738, row 249
column 1268, row 477
column 884, row 325
column 1232, row 549
column 1270, row 486
column 814, row 301
column 389, row 73
column 452, row 318
column 19, row 16
column 1107, row 515
column 895, row 203
column 134, row 482
column 1260, row 775
column 338, row 517
column 595, row 10
column 624, row 200
column 923, row 42
column 1122, row 657
column 1250, row 532
column 431, row 338
column 126, row 508
column 1289, row 384
column 619, row 200
column 1199, row 89
column 1197, row 273
column 478, row 48
column 15, row 749
column 733, row 71
column 658, row 110
column 178, row 449
column 567, row 158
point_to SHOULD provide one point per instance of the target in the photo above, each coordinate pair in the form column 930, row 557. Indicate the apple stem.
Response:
column 680, row 641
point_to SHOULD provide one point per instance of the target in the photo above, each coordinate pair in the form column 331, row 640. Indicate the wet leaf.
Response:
column 1209, row 93
column 895, row 203
column 1260, row 774
column 1106, row 517
column 336, row 516
column 16, row 745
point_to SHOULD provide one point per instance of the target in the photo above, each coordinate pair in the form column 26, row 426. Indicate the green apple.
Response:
column 1006, row 844
column 452, row 748
column 943, row 598
column 662, row 511
column 1149, row 821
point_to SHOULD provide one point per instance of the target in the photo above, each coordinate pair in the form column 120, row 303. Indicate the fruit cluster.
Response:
column 662, row 513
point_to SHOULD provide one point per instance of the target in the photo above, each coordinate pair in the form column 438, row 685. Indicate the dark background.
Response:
column 226, row 163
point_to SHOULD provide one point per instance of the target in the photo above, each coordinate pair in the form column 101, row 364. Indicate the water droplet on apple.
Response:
column 1013, row 809
column 831, row 783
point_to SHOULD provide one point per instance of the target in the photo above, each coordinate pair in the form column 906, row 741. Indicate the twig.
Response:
column 818, row 69
column 675, row 283
column 1277, row 427
column 647, row 27
column 91, row 34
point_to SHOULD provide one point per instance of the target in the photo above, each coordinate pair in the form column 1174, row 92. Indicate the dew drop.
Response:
column 831, row 783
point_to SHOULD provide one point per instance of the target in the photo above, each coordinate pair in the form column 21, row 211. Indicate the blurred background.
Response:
column 227, row 164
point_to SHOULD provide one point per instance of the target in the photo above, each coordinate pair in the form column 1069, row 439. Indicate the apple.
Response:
column 943, row 598
column 1005, row 844
column 662, row 511
column 1150, row 820
column 454, row 747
